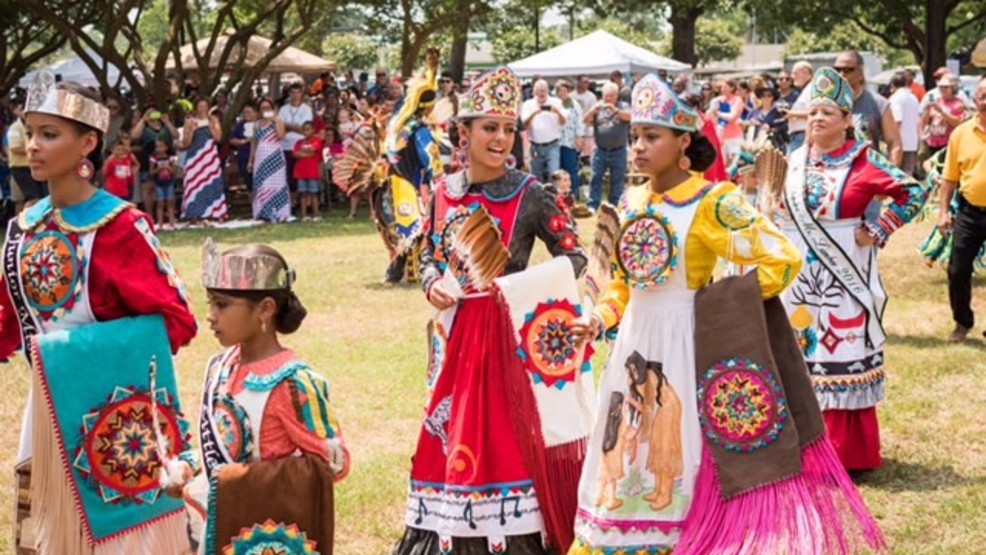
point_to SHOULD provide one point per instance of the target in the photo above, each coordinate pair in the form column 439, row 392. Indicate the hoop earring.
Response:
column 684, row 162
column 84, row 170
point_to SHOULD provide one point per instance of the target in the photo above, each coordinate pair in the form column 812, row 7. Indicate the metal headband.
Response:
column 239, row 272
column 44, row 97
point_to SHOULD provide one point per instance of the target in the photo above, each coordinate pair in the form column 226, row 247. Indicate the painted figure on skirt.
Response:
column 413, row 152
column 498, row 456
column 83, row 277
column 657, row 475
column 271, row 445
column 836, row 304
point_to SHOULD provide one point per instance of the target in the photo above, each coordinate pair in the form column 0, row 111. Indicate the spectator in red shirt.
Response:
column 119, row 170
column 308, row 171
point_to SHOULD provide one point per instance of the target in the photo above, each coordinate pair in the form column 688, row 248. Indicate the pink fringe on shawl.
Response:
column 816, row 512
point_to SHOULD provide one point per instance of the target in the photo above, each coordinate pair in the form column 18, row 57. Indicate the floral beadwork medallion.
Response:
column 741, row 406
column 647, row 250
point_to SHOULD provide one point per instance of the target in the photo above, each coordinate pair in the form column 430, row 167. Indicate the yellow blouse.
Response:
column 725, row 225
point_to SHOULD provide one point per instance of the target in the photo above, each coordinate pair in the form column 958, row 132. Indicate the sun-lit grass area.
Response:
column 369, row 340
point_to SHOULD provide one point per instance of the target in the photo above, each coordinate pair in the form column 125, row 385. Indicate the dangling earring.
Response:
column 511, row 162
column 684, row 162
column 263, row 326
column 462, row 156
column 84, row 170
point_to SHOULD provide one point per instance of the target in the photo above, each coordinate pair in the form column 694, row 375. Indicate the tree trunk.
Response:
column 683, row 21
column 406, row 46
column 460, row 39
column 410, row 56
column 935, row 48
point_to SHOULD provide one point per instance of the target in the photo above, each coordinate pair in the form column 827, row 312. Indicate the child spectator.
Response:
column 561, row 181
column 307, row 171
column 347, row 126
column 163, row 168
column 120, row 169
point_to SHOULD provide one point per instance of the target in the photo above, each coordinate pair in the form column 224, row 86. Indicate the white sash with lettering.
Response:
column 829, row 253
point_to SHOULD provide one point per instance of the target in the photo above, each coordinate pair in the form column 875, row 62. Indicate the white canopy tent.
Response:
column 597, row 55
column 74, row 69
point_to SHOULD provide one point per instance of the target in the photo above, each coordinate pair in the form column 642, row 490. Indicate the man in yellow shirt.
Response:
column 965, row 168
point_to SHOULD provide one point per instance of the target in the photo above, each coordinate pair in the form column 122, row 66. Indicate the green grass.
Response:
column 369, row 340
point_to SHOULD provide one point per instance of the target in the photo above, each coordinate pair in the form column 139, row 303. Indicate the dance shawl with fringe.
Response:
column 552, row 388
column 770, row 481
column 95, row 470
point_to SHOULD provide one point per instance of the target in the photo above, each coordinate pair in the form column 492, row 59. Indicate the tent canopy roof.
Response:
column 596, row 54
column 291, row 60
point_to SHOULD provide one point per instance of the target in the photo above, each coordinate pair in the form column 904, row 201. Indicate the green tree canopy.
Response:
column 350, row 51
column 519, row 43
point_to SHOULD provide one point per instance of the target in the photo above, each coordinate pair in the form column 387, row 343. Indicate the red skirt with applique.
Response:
column 468, row 477
column 855, row 434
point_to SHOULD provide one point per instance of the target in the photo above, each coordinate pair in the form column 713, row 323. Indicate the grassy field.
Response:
column 369, row 340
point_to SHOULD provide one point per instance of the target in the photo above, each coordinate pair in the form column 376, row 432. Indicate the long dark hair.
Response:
column 636, row 367
column 700, row 150
column 658, row 369
column 613, row 417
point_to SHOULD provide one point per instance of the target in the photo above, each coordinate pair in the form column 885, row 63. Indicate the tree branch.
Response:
column 974, row 19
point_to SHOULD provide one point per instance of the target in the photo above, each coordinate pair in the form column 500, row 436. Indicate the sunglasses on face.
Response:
column 844, row 69
column 444, row 81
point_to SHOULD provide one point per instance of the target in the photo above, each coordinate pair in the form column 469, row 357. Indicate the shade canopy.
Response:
column 291, row 60
column 596, row 54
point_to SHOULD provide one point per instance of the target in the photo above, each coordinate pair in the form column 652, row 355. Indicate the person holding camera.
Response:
column 544, row 117
column 610, row 121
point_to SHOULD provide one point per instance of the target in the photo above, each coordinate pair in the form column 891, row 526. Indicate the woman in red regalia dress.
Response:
column 473, row 487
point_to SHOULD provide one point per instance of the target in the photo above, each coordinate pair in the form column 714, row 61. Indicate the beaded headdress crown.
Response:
column 494, row 95
column 828, row 88
column 44, row 97
column 654, row 103
column 235, row 271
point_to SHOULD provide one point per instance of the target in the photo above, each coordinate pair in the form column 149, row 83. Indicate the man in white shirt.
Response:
column 797, row 116
column 543, row 117
column 905, row 108
column 294, row 114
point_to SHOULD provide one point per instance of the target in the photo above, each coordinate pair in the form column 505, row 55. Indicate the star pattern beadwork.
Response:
column 548, row 344
column 271, row 538
column 117, row 453
column 51, row 264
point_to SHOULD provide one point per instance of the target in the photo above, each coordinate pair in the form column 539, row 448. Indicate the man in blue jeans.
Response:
column 610, row 121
